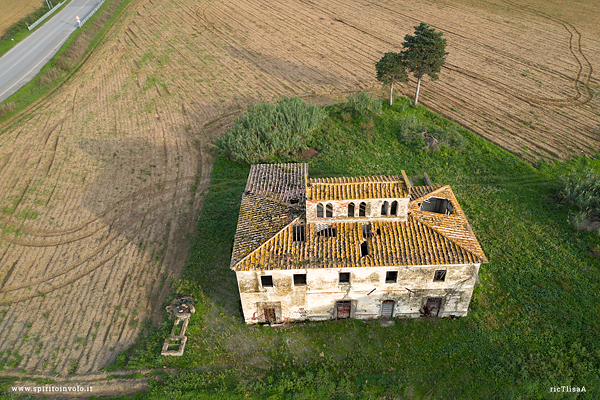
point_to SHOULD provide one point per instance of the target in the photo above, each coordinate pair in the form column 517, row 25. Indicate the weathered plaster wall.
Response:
column 340, row 210
column 367, row 290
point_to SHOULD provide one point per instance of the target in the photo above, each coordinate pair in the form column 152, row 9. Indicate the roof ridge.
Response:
column 434, row 191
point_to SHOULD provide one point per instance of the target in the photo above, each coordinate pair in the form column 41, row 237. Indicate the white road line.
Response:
column 43, row 60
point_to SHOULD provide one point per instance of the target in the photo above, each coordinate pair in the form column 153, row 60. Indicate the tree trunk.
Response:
column 391, row 92
column 417, row 94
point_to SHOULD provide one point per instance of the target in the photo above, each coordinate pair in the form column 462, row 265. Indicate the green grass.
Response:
column 76, row 48
column 533, row 321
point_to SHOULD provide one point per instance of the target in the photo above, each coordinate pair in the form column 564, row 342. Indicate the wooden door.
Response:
column 343, row 309
column 434, row 304
column 387, row 309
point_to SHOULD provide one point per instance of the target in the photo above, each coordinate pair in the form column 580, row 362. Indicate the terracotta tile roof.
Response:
column 419, row 191
column 398, row 243
column 455, row 226
column 365, row 187
column 264, row 237
column 280, row 182
column 259, row 220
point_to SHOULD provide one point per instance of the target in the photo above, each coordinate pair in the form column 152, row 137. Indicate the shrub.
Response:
column 419, row 135
column 271, row 132
column 6, row 108
column 48, row 77
column 583, row 191
column 363, row 105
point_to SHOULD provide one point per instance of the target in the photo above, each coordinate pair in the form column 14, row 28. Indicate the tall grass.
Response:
column 271, row 132
column 582, row 190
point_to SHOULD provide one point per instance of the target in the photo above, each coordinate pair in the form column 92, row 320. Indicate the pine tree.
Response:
column 391, row 69
column 424, row 54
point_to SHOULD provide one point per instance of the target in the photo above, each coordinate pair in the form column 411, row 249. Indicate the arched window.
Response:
column 351, row 210
column 319, row 210
column 384, row 208
column 362, row 209
column 394, row 210
column 329, row 211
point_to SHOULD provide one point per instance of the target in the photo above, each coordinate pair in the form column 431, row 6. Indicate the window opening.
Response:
column 366, row 231
column 299, row 233
column 300, row 279
column 362, row 209
column 266, row 281
column 351, row 210
column 344, row 277
column 437, row 205
column 327, row 232
column 384, row 208
column 391, row 277
column 329, row 211
column 319, row 210
column 364, row 249
column 440, row 275
column 394, row 210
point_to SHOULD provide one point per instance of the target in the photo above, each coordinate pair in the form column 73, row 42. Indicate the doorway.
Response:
column 270, row 316
column 433, row 306
column 343, row 309
column 387, row 309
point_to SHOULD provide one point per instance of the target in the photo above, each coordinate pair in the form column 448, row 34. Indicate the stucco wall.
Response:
column 340, row 210
column 367, row 290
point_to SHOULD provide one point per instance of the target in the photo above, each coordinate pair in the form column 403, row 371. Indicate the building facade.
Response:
column 355, row 247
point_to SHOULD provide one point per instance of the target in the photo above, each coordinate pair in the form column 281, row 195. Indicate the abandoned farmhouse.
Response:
column 351, row 247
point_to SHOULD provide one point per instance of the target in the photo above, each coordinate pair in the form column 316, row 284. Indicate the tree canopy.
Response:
column 391, row 69
column 424, row 54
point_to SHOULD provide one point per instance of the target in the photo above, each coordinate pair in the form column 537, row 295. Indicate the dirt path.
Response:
column 100, row 183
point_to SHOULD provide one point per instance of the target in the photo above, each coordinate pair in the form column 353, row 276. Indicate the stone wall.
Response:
column 367, row 289
column 340, row 210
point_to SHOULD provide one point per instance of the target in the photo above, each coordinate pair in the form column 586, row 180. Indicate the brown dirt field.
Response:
column 95, row 185
column 15, row 10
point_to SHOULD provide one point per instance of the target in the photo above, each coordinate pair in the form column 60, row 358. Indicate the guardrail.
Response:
column 39, row 21
column 92, row 13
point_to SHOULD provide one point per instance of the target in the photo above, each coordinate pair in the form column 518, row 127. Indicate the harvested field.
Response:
column 101, row 182
column 15, row 10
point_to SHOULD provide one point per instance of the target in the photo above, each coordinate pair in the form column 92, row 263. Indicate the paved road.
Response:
column 22, row 63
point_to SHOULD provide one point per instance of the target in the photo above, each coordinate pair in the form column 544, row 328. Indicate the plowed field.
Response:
column 15, row 10
column 101, row 182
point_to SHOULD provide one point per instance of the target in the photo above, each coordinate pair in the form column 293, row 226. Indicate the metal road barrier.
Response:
column 39, row 21
column 92, row 13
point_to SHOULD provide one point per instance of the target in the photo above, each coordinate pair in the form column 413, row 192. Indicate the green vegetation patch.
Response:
column 533, row 321
column 271, row 132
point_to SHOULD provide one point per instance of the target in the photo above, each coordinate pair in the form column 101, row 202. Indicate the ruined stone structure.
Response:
column 360, row 247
